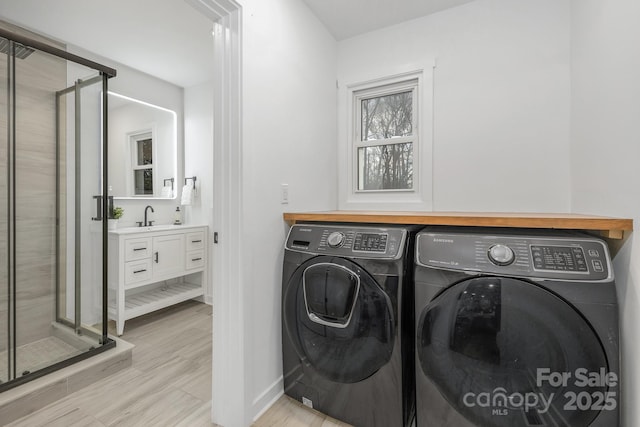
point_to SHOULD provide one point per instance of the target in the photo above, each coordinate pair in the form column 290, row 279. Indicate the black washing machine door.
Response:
column 340, row 321
column 507, row 352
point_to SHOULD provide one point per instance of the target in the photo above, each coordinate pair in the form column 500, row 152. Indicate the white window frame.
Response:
column 414, row 138
column 349, row 95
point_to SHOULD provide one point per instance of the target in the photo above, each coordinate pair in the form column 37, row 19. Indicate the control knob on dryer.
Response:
column 335, row 239
column 501, row 255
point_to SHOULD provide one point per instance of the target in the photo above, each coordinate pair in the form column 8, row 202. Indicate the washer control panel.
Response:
column 559, row 258
column 556, row 255
column 371, row 242
column 363, row 242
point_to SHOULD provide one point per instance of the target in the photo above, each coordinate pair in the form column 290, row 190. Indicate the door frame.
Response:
column 230, row 391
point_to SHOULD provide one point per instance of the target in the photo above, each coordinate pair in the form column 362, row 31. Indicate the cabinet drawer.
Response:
column 137, row 271
column 195, row 259
column 135, row 249
column 195, row 240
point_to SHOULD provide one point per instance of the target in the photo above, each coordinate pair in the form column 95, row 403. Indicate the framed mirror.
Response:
column 143, row 143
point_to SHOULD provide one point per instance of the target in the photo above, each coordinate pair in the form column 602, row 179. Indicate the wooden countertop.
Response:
column 612, row 228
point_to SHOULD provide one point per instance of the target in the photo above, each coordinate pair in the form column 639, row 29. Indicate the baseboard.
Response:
column 205, row 299
column 267, row 398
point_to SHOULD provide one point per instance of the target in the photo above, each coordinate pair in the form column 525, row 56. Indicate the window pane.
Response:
column 143, row 182
column 387, row 116
column 145, row 156
column 386, row 167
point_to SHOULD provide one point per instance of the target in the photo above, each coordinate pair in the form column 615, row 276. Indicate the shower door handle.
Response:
column 98, row 200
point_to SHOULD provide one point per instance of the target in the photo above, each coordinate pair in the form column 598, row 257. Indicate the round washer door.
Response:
column 339, row 319
column 506, row 352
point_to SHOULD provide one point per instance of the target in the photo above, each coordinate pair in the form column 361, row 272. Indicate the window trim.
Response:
column 411, row 85
column 420, row 198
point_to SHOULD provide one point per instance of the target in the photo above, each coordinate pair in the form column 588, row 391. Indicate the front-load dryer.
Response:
column 346, row 303
column 515, row 328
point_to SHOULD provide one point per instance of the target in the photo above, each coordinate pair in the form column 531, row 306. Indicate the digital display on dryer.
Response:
column 370, row 242
column 558, row 258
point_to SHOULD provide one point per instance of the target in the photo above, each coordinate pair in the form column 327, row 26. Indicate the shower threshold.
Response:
column 40, row 354
column 37, row 393
column 59, row 349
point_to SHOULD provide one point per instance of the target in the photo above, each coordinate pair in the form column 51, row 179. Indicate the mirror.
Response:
column 142, row 149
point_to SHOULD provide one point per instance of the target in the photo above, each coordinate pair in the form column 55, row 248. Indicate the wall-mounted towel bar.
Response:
column 194, row 181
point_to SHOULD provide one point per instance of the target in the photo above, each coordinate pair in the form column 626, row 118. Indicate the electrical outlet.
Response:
column 284, row 194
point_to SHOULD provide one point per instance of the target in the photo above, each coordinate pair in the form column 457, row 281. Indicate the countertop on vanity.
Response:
column 161, row 227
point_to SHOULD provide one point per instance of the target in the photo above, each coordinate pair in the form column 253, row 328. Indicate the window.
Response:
column 385, row 137
column 142, row 163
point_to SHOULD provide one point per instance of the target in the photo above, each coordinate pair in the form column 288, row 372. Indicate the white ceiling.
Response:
column 175, row 41
column 348, row 18
column 176, row 47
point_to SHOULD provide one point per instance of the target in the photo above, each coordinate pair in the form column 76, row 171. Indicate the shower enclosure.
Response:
column 53, row 224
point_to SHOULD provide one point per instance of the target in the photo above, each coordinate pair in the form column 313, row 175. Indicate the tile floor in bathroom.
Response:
column 168, row 384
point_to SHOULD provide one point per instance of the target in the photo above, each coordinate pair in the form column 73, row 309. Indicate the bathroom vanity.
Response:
column 154, row 267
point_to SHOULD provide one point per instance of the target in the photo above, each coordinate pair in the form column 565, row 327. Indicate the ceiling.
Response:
column 175, row 42
column 348, row 18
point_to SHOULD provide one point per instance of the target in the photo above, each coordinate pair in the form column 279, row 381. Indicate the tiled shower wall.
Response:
column 38, row 77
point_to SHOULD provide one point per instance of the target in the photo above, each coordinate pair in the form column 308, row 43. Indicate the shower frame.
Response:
column 105, row 342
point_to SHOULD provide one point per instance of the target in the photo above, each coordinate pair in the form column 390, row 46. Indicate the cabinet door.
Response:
column 168, row 255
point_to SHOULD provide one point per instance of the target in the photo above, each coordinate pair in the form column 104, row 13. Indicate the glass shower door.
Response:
column 6, row 355
column 52, row 249
column 80, row 298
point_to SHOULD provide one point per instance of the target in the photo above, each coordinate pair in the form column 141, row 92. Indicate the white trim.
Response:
column 230, row 381
column 268, row 397
column 421, row 196
column 229, row 404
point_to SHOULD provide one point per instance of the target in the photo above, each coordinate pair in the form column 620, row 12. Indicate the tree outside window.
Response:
column 385, row 137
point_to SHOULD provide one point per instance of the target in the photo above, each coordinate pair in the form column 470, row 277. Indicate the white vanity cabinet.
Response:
column 154, row 267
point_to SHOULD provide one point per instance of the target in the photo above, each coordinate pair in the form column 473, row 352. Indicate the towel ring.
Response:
column 194, row 181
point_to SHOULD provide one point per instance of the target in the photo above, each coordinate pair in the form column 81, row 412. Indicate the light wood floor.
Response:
column 168, row 384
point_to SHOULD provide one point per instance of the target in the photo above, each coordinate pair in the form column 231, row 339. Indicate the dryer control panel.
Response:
column 550, row 255
column 354, row 242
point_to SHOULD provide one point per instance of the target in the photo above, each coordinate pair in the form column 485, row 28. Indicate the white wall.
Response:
column 605, row 150
column 502, row 95
column 289, row 136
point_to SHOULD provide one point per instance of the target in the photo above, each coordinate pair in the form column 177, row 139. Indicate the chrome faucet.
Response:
column 147, row 223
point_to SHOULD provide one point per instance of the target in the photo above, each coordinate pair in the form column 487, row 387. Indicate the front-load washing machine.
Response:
column 515, row 328
column 346, row 303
